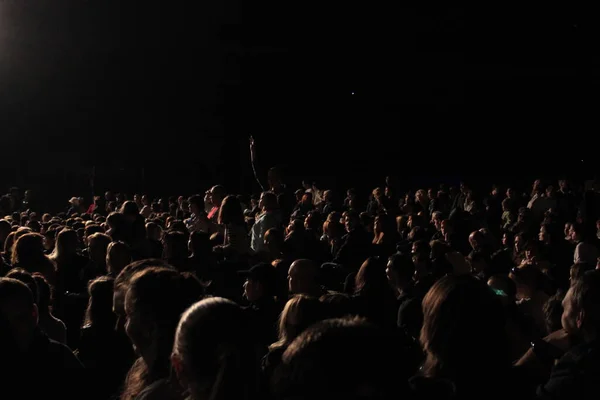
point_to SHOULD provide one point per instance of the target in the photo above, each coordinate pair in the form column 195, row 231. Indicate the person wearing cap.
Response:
column 264, row 310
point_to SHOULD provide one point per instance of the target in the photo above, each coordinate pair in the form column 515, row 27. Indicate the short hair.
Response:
column 24, row 276
column 13, row 289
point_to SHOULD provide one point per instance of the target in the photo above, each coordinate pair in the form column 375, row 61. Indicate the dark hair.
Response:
column 175, row 246
column 371, row 277
column 337, row 305
column 123, row 279
column 99, row 310
column 462, row 315
column 28, row 250
column 553, row 311
column 12, row 289
column 44, row 292
column 23, row 276
column 93, row 228
column 130, row 208
column 196, row 200
column 200, row 243
column 231, row 211
column 318, row 365
column 402, row 265
column 160, row 295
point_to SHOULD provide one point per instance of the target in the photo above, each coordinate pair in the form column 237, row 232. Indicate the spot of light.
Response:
column 352, row 93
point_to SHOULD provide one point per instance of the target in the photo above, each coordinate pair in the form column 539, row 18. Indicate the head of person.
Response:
column 213, row 355
column 581, row 307
column 19, row 312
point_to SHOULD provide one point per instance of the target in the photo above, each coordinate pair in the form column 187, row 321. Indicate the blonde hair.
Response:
column 299, row 313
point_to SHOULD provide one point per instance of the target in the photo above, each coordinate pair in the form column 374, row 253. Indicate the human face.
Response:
column 543, row 234
column 251, row 290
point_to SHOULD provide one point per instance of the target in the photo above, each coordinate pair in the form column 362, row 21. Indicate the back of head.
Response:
column 163, row 294
column 66, row 244
column 528, row 276
column 176, row 245
column 123, row 280
column 5, row 227
column 118, row 257
column 130, row 209
column 92, row 228
column 13, row 290
column 155, row 301
column 231, row 211
column 17, row 317
column 23, row 276
column 371, row 277
column 304, row 275
column 28, row 249
column 341, row 359
column 306, row 268
column 585, row 297
column 200, row 243
column 579, row 269
column 299, row 313
column 269, row 201
column 44, row 292
column 402, row 265
column 337, row 305
column 463, row 330
column 124, row 277
column 99, row 311
column 218, row 191
column 214, row 353
column 197, row 201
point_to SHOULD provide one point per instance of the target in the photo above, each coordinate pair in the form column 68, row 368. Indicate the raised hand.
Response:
column 252, row 148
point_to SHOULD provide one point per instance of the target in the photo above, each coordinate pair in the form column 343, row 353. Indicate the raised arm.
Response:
column 253, row 162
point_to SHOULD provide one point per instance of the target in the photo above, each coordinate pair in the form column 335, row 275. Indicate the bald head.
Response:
column 476, row 239
column 217, row 194
column 302, row 277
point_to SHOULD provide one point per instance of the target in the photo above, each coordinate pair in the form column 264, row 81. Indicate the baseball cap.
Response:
column 262, row 272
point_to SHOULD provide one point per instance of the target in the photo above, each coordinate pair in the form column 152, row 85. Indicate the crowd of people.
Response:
column 303, row 295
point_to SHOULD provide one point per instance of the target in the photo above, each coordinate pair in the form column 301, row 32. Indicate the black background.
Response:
column 175, row 91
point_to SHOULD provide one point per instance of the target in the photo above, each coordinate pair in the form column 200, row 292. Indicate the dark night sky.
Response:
column 175, row 85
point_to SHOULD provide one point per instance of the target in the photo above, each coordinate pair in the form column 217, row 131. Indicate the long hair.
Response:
column 371, row 277
column 463, row 332
column 28, row 253
column 158, row 295
column 99, row 311
column 298, row 314
column 66, row 245
column 231, row 211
